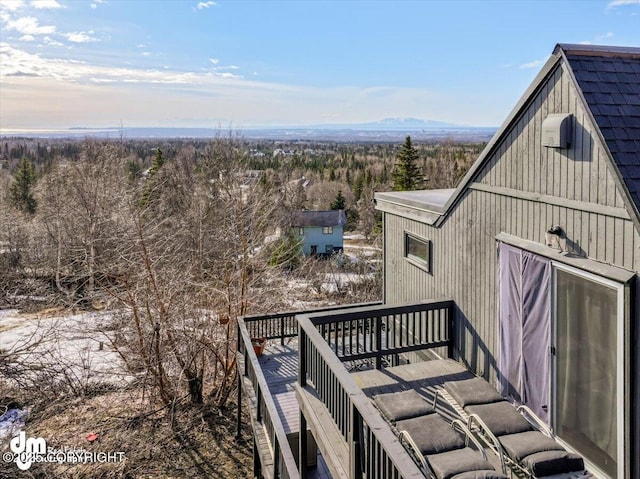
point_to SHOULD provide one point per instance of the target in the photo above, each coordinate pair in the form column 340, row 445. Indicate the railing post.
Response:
column 276, row 457
column 258, row 403
column 302, row 447
column 378, row 341
column 302, row 357
column 239, row 418
column 452, row 335
column 355, row 448
column 281, row 330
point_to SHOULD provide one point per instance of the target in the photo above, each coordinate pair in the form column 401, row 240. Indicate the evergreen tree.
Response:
column 21, row 190
column 406, row 173
column 352, row 219
column 158, row 161
column 384, row 176
column 339, row 202
column 358, row 184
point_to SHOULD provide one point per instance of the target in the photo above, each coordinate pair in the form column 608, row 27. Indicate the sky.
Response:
column 243, row 64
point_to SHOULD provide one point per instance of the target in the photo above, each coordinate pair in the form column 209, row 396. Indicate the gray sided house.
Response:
column 320, row 232
column 526, row 275
column 539, row 247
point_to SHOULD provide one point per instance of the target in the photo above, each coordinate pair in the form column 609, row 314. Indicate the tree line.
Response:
column 173, row 235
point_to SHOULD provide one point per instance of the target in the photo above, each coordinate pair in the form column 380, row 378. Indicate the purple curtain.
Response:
column 524, row 281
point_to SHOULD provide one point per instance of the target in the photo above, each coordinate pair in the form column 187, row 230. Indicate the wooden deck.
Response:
column 331, row 346
column 279, row 365
column 425, row 377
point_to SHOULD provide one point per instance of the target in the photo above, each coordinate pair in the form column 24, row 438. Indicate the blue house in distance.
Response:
column 319, row 231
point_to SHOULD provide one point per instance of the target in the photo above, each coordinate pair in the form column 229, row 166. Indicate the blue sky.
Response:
column 242, row 64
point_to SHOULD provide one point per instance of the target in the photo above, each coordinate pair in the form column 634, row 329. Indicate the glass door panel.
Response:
column 586, row 368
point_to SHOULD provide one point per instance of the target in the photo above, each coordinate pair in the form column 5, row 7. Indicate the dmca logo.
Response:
column 25, row 451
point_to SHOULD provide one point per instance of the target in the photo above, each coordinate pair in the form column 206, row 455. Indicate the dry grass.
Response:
column 183, row 442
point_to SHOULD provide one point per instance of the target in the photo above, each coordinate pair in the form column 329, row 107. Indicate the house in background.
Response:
column 527, row 274
column 320, row 232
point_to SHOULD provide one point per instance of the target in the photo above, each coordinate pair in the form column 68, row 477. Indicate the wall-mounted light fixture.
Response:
column 552, row 237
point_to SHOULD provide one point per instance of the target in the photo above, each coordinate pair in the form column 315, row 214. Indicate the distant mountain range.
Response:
column 392, row 124
column 387, row 130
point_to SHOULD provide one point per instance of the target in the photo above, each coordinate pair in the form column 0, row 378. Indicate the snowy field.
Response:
column 68, row 348
column 76, row 346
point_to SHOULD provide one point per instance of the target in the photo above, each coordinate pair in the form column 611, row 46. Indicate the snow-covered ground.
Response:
column 75, row 346
column 11, row 422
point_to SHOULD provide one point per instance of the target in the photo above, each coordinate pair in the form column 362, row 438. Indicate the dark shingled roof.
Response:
column 609, row 78
column 318, row 218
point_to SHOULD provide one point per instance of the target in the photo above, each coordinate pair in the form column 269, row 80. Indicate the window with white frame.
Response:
column 327, row 230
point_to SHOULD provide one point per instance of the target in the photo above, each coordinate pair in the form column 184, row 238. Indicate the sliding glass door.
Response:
column 587, row 412
column 561, row 352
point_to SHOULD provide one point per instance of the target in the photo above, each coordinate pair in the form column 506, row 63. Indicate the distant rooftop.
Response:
column 319, row 218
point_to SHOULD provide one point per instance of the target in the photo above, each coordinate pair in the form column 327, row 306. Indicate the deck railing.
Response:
column 376, row 332
column 273, row 326
column 265, row 413
column 328, row 339
column 284, row 325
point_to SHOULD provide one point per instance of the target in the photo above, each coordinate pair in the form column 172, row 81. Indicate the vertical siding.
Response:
column 464, row 247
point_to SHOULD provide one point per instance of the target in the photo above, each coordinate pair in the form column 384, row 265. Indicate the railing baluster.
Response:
column 378, row 345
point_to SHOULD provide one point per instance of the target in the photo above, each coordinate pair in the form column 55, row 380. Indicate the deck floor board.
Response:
column 279, row 365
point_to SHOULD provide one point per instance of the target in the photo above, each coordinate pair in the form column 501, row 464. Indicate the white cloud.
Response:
column 146, row 54
column 50, row 93
column 604, row 36
column 533, row 64
column 215, row 61
column 202, row 5
column 11, row 5
column 80, row 37
column 598, row 38
column 40, row 4
column 16, row 63
column 94, row 6
column 52, row 42
column 29, row 26
column 27, row 38
column 619, row 3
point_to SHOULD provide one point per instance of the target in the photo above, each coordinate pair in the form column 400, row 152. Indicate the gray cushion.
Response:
column 489, row 474
column 518, row 446
column 448, row 464
column 548, row 463
column 501, row 418
column 431, row 433
column 472, row 391
column 402, row 405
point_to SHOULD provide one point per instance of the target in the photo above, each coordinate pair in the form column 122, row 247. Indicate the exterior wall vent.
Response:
column 556, row 130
